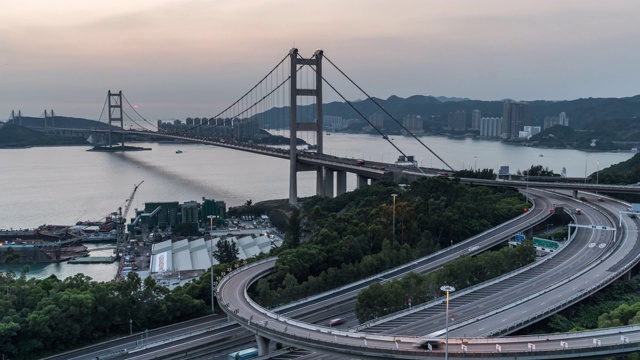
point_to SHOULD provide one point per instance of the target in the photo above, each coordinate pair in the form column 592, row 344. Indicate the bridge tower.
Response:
column 115, row 113
column 315, row 62
column 46, row 119
column 18, row 117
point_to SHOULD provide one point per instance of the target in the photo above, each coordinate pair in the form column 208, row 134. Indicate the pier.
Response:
column 93, row 260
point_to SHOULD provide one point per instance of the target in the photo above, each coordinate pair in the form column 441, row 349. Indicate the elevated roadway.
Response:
column 588, row 269
column 481, row 311
column 317, row 308
column 380, row 170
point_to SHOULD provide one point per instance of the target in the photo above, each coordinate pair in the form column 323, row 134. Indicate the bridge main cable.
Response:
column 386, row 112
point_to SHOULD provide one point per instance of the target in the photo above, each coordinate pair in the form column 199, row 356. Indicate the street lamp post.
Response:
column 448, row 289
column 394, row 216
column 597, row 170
column 130, row 327
column 585, row 168
column 211, row 217
column 475, row 163
column 527, row 191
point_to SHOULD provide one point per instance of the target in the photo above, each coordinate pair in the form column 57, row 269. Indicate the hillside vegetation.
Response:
column 583, row 114
column 19, row 136
column 332, row 242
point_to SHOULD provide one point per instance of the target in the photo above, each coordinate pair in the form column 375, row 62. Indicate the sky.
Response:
column 181, row 58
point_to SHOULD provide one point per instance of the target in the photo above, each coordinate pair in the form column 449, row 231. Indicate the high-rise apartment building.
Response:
column 475, row 119
column 515, row 115
column 413, row 123
column 550, row 121
column 491, row 126
column 563, row 119
column 457, row 120
column 377, row 121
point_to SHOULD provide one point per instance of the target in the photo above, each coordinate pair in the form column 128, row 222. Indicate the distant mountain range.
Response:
column 583, row 113
column 435, row 110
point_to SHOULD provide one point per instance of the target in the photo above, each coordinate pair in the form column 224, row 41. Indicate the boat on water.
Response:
column 178, row 151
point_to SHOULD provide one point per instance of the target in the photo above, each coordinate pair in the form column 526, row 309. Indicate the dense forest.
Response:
column 624, row 173
column 332, row 242
column 40, row 317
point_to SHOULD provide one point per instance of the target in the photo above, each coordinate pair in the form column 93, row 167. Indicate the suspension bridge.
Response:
column 288, row 100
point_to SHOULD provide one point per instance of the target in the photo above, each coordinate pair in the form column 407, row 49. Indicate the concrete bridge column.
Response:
column 263, row 345
column 575, row 194
column 320, row 184
column 341, row 182
column 328, row 182
column 362, row 181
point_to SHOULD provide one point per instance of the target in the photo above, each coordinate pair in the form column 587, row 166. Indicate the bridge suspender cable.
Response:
column 134, row 110
column 245, row 95
column 362, row 115
column 386, row 112
column 104, row 106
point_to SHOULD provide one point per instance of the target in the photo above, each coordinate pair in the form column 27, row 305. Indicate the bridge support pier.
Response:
column 362, row 181
column 575, row 194
column 341, row 182
column 263, row 345
column 320, row 182
column 328, row 182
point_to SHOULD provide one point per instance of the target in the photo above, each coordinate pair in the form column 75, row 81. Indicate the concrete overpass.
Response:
column 605, row 264
column 366, row 172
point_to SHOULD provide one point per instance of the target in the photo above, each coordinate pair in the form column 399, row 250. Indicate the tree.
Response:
column 292, row 237
column 226, row 251
column 11, row 256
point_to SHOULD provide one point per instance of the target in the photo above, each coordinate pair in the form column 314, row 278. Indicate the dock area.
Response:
column 93, row 260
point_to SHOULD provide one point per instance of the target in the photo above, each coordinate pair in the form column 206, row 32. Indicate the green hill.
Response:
column 19, row 136
column 583, row 113
column 626, row 172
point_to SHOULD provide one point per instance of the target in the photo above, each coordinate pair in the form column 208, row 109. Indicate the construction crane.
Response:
column 122, row 217
column 128, row 202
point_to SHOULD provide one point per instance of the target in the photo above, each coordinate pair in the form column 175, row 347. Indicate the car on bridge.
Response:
column 336, row 322
column 428, row 343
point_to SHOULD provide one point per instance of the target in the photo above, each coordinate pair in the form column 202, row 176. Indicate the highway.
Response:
column 320, row 307
column 380, row 170
column 317, row 308
column 591, row 261
column 526, row 291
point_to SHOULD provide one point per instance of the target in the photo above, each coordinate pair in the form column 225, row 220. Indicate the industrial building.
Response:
column 186, row 256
